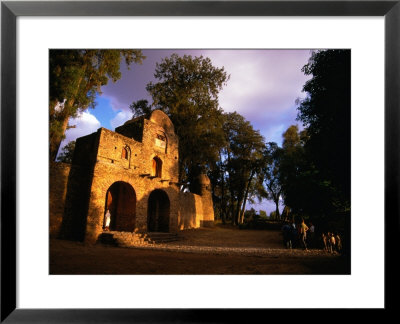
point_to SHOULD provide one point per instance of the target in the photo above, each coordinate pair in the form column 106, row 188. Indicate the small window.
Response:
column 125, row 153
column 157, row 167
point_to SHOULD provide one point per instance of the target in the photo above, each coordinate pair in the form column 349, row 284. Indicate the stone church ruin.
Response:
column 133, row 173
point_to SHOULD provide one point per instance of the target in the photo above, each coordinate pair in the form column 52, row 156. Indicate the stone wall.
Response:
column 195, row 211
column 76, row 203
column 59, row 173
column 132, row 129
column 207, row 219
column 79, row 186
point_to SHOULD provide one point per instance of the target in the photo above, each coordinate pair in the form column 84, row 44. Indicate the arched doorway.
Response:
column 158, row 212
column 121, row 202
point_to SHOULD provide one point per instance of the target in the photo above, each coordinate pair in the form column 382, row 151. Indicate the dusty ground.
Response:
column 218, row 250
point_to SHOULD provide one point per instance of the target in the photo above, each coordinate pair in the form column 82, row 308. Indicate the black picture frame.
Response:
column 10, row 10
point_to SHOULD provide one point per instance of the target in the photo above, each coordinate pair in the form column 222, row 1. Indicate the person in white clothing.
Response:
column 107, row 221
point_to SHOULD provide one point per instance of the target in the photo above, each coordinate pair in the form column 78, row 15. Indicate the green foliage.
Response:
column 271, row 173
column 263, row 214
column 315, row 165
column 187, row 91
column 241, row 160
column 326, row 114
column 76, row 77
column 249, row 215
column 286, row 213
column 67, row 153
column 303, row 190
column 141, row 108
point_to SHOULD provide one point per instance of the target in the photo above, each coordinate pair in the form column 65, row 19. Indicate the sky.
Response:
column 263, row 87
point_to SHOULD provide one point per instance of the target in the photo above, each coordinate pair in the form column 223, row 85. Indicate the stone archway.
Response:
column 121, row 202
column 158, row 212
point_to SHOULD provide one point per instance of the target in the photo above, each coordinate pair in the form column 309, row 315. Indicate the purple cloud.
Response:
column 263, row 87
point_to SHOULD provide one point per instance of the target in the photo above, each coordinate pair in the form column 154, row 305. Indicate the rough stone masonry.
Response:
column 133, row 173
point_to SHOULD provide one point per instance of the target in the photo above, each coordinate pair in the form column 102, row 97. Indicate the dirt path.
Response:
column 202, row 251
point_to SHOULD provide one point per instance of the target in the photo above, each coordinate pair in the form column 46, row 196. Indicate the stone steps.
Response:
column 131, row 239
column 127, row 239
column 107, row 238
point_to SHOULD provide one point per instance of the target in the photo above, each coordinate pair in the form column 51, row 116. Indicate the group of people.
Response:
column 332, row 242
column 303, row 236
column 298, row 234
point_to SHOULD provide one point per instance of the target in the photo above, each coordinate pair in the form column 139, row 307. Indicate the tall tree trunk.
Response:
column 278, row 217
column 223, row 214
column 57, row 137
column 232, row 211
column 242, row 215
column 223, row 210
column 63, row 117
column 245, row 196
column 233, row 208
column 238, row 209
column 223, row 207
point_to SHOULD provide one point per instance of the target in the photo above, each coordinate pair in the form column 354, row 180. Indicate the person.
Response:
column 287, row 236
column 293, row 235
column 338, row 243
column 303, row 234
column 325, row 241
column 107, row 221
column 311, row 232
column 331, row 242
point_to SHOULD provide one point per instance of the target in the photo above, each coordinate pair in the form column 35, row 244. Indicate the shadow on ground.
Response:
column 218, row 250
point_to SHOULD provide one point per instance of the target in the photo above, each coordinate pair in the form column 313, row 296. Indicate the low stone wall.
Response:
column 195, row 211
column 59, row 173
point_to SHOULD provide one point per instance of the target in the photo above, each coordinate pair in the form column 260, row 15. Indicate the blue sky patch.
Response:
column 103, row 111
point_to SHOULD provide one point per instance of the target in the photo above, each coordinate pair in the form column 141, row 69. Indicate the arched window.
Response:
column 125, row 153
column 157, row 167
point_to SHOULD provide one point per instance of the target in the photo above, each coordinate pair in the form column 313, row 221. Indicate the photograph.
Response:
column 199, row 161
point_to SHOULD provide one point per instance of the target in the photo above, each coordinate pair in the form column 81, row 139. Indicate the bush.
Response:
column 261, row 224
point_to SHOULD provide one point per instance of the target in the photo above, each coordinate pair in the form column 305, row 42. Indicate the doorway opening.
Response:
column 121, row 202
column 158, row 212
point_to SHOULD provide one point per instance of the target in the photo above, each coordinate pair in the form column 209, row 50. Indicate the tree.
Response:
column 326, row 114
column 141, row 108
column 250, row 215
column 302, row 190
column 67, row 153
column 263, row 214
column 286, row 213
column 243, row 161
column 76, row 77
column 218, row 178
column 187, row 91
column 272, row 174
